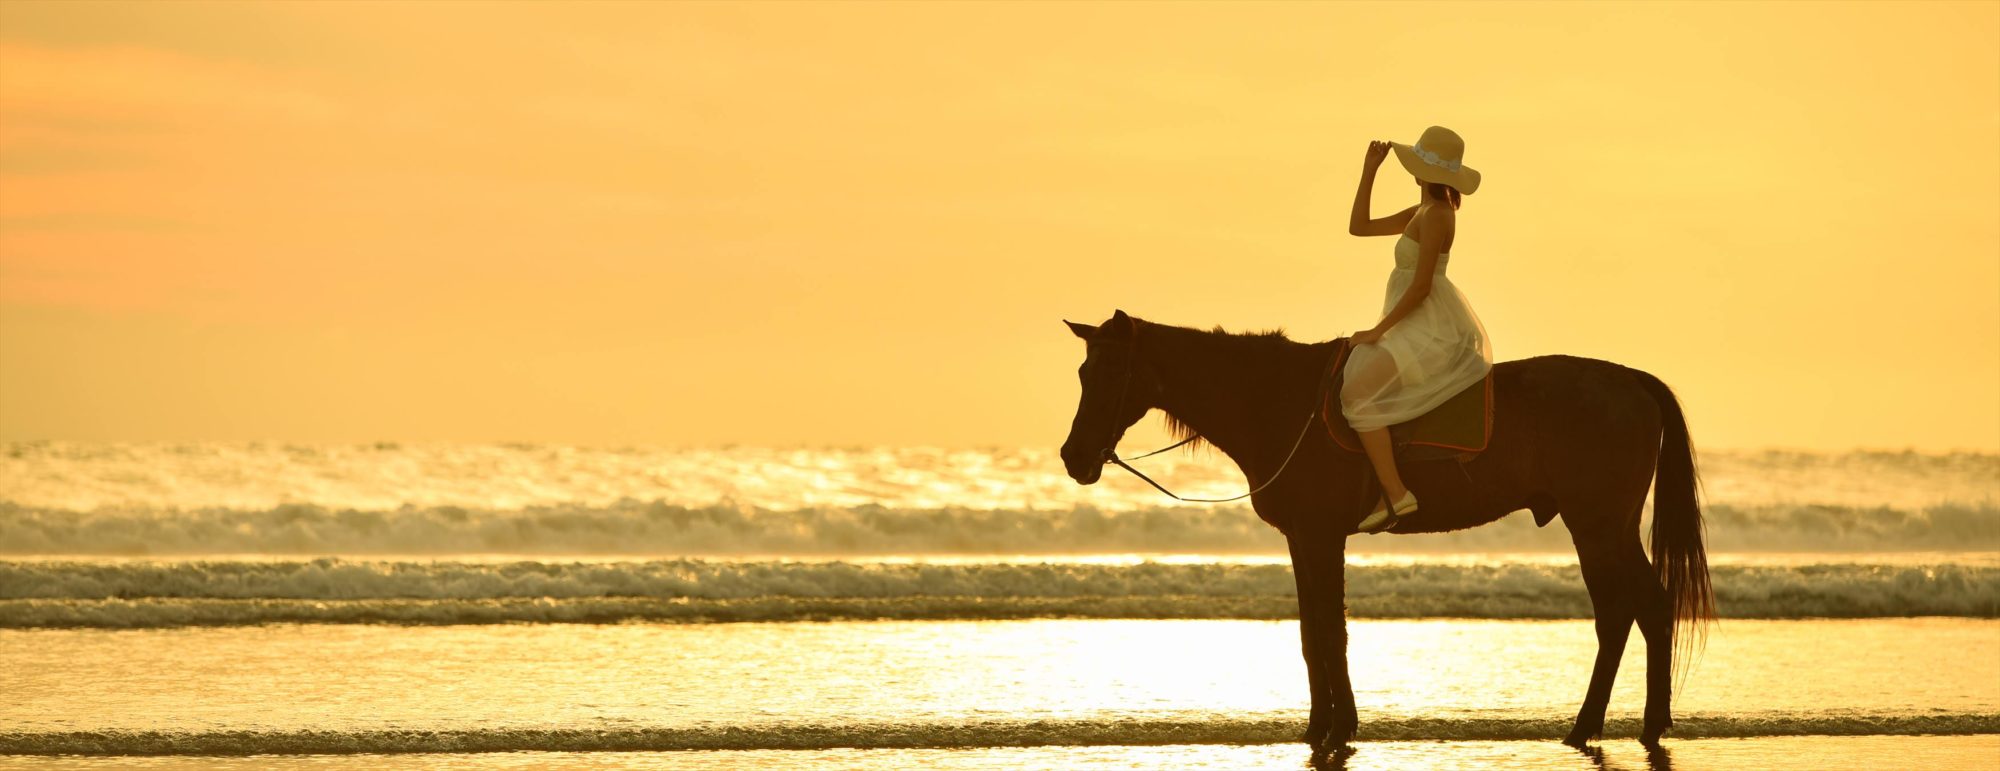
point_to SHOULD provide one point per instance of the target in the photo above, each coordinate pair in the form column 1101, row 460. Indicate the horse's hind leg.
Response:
column 1605, row 574
column 1656, row 622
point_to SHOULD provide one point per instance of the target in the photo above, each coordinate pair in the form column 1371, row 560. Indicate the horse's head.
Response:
column 1118, row 390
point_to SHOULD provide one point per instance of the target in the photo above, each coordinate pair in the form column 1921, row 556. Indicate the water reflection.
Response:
column 1373, row 756
column 1657, row 758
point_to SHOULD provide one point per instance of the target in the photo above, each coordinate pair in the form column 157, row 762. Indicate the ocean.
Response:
column 501, row 605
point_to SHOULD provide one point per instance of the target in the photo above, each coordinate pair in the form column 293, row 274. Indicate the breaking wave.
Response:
column 995, row 733
column 165, row 594
column 636, row 528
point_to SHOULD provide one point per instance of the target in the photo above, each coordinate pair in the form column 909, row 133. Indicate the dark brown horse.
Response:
column 1579, row 438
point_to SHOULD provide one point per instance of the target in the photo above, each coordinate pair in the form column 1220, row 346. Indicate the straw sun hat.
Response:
column 1438, row 156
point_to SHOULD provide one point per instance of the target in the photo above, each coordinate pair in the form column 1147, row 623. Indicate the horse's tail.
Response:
column 1678, row 552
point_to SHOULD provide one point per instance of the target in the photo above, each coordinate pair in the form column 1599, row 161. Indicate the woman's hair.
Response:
column 1439, row 190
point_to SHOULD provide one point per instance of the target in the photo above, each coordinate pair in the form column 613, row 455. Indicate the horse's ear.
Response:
column 1082, row 330
column 1122, row 323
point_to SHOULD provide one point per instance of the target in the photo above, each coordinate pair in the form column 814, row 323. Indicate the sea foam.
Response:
column 654, row 528
column 163, row 594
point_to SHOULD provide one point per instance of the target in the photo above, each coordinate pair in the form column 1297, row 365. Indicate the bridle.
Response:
column 1110, row 453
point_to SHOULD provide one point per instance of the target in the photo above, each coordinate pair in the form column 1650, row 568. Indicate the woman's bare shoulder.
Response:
column 1429, row 218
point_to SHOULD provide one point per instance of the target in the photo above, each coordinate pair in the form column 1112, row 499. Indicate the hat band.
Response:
column 1433, row 159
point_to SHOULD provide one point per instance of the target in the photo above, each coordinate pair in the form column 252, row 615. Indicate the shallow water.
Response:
column 1824, row 753
column 362, row 688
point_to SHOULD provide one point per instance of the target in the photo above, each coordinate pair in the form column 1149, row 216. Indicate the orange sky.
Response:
column 823, row 223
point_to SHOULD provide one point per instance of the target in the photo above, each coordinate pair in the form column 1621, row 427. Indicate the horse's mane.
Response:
column 1182, row 431
column 1216, row 336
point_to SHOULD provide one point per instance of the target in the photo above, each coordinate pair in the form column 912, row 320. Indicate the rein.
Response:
column 1132, row 363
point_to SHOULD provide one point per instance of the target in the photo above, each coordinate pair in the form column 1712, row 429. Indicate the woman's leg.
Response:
column 1383, row 457
column 1371, row 374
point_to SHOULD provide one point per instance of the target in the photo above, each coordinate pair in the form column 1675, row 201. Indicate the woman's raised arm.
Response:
column 1358, row 224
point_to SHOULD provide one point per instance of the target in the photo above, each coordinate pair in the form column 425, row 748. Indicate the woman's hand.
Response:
column 1365, row 337
column 1377, row 152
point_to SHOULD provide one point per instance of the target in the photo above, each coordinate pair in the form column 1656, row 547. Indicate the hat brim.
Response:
column 1465, row 180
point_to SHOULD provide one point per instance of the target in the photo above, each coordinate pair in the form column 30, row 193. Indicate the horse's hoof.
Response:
column 1649, row 737
column 1582, row 735
column 1348, row 724
column 1315, row 735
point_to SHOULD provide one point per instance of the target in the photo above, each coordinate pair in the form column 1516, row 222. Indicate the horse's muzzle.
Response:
column 1084, row 467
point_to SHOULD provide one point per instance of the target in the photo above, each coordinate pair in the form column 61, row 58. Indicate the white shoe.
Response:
column 1385, row 518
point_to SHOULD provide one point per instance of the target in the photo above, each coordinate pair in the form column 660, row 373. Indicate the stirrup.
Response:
column 1384, row 519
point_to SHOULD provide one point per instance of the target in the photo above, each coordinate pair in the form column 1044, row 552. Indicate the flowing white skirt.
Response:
column 1429, row 356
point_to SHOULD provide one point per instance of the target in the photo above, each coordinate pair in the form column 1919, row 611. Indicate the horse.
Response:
column 1573, row 437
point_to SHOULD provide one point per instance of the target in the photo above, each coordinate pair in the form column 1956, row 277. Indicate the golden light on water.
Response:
column 873, row 675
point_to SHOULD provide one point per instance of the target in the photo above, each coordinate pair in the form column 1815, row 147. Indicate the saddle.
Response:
column 1459, row 429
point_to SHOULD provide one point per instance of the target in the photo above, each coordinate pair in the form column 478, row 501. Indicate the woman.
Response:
column 1429, row 345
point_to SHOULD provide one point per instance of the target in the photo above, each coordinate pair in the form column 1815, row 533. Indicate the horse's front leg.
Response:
column 1321, row 720
column 1318, row 567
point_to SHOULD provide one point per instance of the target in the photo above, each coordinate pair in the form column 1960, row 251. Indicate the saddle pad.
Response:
column 1459, row 428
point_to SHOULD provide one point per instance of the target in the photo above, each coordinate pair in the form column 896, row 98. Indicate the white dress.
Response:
column 1432, row 354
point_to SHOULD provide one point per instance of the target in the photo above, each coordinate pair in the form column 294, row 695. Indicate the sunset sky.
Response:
column 846, row 224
